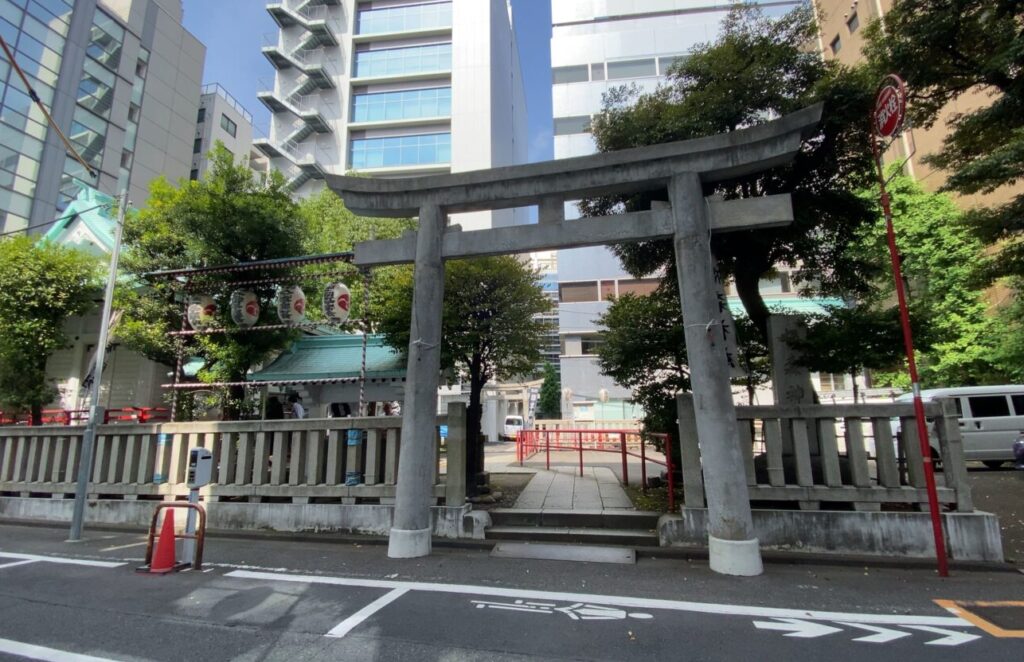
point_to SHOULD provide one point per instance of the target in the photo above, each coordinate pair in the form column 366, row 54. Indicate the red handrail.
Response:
column 528, row 443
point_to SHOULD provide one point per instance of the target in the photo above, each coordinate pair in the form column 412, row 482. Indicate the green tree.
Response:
column 41, row 286
column 549, row 400
column 489, row 328
column 752, row 356
column 954, row 334
column 756, row 70
column 1009, row 322
column 849, row 340
column 225, row 218
column 945, row 49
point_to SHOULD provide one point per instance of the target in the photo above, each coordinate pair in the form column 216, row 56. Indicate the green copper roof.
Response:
column 93, row 208
column 331, row 357
column 790, row 304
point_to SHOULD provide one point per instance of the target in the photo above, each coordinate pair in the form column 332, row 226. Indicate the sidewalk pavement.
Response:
column 563, row 488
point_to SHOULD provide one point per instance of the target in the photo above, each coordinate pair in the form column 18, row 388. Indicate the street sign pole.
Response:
column 85, row 458
column 886, row 122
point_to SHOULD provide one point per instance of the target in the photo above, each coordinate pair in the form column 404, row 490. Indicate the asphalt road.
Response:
column 286, row 600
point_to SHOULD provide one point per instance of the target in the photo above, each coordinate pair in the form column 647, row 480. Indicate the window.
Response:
column 401, row 19
column 193, row 174
column 96, row 89
column 126, row 158
column 778, row 284
column 577, row 292
column 836, row 45
column 590, row 344
column 424, row 149
column 987, row 406
column 1018, row 404
column 568, row 125
column 105, row 41
column 632, row 69
column 831, row 382
column 197, row 146
column 574, row 74
column 640, row 287
column 407, row 104
column 597, row 71
column 853, row 23
column 607, row 289
column 228, row 125
column 398, row 61
column 140, row 68
column 666, row 62
column 133, row 112
column 201, row 116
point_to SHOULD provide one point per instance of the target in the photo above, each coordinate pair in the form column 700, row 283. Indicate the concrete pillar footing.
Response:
column 408, row 544
column 735, row 557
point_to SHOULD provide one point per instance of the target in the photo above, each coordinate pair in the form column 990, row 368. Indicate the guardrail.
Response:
column 625, row 443
column 285, row 460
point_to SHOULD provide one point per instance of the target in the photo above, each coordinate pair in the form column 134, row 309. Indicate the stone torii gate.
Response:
column 681, row 168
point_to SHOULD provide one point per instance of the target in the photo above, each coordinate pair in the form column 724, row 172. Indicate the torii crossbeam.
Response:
column 681, row 168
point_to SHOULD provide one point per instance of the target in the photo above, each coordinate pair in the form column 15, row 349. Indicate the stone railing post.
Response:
column 455, row 482
column 689, row 451
column 954, row 468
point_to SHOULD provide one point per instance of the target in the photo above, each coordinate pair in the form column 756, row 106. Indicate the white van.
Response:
column 513, row 424
column 991, row 419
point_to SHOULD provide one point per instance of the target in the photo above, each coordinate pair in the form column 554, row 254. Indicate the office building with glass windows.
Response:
column 392, row 89
column 121, row 78
column 598, row 45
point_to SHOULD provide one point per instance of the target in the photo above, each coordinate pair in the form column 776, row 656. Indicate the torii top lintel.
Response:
column 714, row 158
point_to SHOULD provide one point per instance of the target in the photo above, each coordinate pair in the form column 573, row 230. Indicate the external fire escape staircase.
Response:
column 309, row 58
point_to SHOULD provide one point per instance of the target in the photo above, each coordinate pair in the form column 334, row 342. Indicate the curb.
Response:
column 687, row 553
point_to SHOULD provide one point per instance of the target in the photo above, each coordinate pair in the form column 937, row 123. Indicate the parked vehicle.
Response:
column 513, row 425
column 991, row 419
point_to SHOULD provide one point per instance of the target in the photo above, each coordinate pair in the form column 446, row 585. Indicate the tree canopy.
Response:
column 41, row 286
column 947, row 50
column 757, row 70
column 549, row 400
column 489, row 327
column 227, row 217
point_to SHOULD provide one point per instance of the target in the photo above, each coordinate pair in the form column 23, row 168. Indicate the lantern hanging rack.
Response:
column 283, row 382
column 284, row 278
column 265, row 265
column 265, row 327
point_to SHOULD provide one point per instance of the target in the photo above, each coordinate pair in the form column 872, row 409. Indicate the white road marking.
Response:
column 797, row 628
column 60, row 559
column 34, row 652
column 346, row 626
column 577, row 611
column 116, row 547
column 881, row 636
column 952, row 638
column 14, row 563
column 612, row 600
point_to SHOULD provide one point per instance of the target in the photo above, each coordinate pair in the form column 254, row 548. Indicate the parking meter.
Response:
column 200, row 468
column 200, row 473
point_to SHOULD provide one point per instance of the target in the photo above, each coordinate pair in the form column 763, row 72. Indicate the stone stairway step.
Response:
column 562, row 552
column 594, row 519
column 623, row 537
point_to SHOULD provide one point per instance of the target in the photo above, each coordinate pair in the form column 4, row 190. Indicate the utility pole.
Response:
column 95, row 410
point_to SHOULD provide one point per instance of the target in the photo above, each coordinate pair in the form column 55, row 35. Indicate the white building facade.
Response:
column 393, row 88
column 220, row 118
column 597, row 45
column 121, row 78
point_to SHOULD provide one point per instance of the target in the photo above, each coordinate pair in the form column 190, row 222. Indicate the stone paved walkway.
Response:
column 563, row 488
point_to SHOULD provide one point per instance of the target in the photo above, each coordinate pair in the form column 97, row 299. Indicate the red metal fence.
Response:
column 81, row 416
column 625, row 443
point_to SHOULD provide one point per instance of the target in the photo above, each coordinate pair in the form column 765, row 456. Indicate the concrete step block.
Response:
column 553, row 534
column 577, row 518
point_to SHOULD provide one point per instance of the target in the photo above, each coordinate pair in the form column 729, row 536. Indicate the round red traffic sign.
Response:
column 890, row 106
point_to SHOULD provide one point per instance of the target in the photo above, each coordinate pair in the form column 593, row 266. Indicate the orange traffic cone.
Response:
column 163, row 558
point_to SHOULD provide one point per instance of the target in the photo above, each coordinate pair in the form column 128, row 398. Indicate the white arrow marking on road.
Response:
column 797, row 627
column 952, row 638
column 578, row 611
column 883, row 636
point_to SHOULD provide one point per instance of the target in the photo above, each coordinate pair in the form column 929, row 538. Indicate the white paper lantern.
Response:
column 245, row 307
column 291, row 304
column 337, row 302
column 201, row 312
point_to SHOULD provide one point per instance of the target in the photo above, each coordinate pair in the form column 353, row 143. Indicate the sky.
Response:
column 234, row 31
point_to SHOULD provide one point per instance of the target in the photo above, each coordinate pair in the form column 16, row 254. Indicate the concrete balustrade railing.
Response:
column 831, row 454
column 288, row 460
